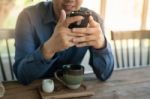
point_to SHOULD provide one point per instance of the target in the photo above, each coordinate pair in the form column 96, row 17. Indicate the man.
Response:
column 44, row 42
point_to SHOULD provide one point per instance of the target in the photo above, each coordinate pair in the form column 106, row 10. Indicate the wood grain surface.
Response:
column 124, row 84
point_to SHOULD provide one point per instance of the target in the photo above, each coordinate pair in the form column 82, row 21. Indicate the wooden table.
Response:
column 124, row 84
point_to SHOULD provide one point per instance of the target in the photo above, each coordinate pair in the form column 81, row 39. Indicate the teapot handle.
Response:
column 58, row 78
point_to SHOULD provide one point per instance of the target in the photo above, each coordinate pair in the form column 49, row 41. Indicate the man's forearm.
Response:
column 102, row 62
column 32, row 67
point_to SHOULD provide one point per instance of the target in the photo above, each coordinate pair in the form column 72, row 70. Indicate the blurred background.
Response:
column 118, row 15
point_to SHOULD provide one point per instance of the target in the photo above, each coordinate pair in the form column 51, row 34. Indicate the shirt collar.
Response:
column 50, row 16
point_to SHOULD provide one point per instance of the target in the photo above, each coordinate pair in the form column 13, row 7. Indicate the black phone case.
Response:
column 83, row 23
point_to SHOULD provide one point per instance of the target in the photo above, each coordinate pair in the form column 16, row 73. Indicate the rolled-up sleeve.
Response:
column 102, row 62
column 29, row 61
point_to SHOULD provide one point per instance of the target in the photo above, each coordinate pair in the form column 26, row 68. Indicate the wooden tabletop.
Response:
column 124, row 84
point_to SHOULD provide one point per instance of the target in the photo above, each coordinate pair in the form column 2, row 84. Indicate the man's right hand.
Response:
column 62, row 36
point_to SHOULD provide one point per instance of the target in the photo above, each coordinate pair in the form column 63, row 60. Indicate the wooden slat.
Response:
column 116, row 54
column 134, row 52
column 9, row 58
column 103, row 8
column 127, row 53
column 140, row 60
column 144, row 14
column 6, row 33
column 120, row 35
column 2, row 68
column 122, row 58
column 148, row 55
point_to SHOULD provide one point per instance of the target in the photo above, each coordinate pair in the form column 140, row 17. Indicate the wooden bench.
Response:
column 6, row 58
column 131, row 48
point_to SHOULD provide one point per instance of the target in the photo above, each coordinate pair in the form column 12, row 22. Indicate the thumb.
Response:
column 62, row 16
column 92, row 22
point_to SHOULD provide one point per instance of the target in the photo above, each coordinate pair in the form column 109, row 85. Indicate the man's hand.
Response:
column 62, row 37
column 93, row 35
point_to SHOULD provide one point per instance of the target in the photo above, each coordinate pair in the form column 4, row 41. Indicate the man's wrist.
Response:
column 47, row 53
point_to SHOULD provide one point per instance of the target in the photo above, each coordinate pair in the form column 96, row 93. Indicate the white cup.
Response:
column 48, row 85
column 2, row 90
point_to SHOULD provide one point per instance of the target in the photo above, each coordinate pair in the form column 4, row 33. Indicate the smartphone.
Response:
column 82, row 23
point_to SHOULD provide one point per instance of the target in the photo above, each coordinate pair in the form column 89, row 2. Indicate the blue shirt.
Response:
column 35, row 25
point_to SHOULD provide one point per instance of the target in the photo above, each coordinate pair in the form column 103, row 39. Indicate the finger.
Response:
column 84, row 30
column 70, row 20
column 69, row 45
column 84, row 39
column 83, row 44
column 62, row 16
column 92, row 22
column 69, row 42
column 76, row 34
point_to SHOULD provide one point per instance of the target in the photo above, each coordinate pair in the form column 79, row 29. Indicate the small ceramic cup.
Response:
column 2, row 90
column 72, row 75
column 48, row 85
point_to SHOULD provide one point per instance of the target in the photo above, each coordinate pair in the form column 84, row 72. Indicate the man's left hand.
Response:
column 89, row 36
